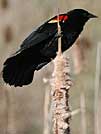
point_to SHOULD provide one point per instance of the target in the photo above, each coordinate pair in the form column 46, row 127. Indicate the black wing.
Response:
column 42, row 33
column 45, row 31
column 19, row 68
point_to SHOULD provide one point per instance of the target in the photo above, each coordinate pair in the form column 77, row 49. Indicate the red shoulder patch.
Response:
column 61, row 18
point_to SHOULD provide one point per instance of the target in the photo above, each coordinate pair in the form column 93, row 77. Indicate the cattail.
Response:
column 8, row 34
column 4, row 4
column 61, row 83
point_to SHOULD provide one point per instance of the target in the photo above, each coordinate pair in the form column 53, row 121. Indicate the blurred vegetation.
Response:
column 17, row 19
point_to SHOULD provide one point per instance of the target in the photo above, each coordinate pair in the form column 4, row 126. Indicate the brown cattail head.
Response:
column 4, row 4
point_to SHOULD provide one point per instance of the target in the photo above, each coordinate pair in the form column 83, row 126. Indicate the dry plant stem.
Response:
column 60, row 104
column 9, row 95
column 97, row 87
column 60, row 86
column 59, row 39
column 46, row 112
column 83, row 113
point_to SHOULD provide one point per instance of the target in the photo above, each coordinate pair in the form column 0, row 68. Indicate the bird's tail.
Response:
column 17, row 71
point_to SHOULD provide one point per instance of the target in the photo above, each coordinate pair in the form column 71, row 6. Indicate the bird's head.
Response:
column 79, row 16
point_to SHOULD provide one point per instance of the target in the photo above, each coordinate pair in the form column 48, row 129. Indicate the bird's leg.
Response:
column 58, row 35
column 55, row 38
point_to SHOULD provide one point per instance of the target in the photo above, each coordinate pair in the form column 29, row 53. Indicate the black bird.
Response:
column 41, row 46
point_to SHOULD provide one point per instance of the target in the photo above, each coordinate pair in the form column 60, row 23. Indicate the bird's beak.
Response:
column 92, row 16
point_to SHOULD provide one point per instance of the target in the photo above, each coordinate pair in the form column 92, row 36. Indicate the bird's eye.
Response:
column 85, row 14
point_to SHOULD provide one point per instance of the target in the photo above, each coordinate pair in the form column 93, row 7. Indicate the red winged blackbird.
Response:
column 41, row 46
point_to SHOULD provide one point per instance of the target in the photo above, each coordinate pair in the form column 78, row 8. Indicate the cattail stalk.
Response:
column 96, row 90
column 83, row 113
column 61, row 83
column 9, row 95
column 46, row 112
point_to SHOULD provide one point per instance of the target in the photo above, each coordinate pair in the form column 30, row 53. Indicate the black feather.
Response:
column 41, row 46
